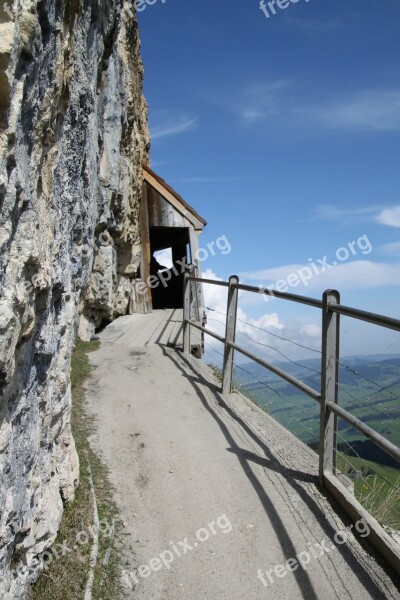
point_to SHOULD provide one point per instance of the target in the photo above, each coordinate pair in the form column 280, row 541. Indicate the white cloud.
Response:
column 392, row 248
column 389, row 216
column 262, row 100
column 276, row 339
column 359, row 274
column 252, row 333
column 256, row 101
column 286, row 103
column 311, row 329
column 250, row 114
column 369, row 110
column 165, row 123
column 328, row 212
column 384, row 216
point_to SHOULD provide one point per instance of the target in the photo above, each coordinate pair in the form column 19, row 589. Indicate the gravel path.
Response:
column 213, row 493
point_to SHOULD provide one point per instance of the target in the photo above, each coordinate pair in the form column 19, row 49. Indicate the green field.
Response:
column 378, row 490
column 369, row 390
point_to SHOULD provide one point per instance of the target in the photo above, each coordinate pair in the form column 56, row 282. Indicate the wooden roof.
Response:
column 173, row 197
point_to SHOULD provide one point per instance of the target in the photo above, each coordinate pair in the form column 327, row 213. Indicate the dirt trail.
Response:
column 211, row 490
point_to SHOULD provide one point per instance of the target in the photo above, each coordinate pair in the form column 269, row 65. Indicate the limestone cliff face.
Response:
column 73, row 136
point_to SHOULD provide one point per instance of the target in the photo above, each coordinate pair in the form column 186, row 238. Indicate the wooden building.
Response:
column 166, row 221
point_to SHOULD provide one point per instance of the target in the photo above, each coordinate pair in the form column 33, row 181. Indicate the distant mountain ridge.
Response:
column 369, row 388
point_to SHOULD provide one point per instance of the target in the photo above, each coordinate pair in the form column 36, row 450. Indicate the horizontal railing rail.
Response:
column 368, row 317
column 289, row 378
column 327, row 396
column 281, row 295
column 374, row 436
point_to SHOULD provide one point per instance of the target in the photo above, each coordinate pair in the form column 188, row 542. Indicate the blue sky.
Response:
column 284, row 133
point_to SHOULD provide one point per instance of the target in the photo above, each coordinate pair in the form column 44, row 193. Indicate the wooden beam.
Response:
column 143, row 302
column 378, row 537
column 166, row 194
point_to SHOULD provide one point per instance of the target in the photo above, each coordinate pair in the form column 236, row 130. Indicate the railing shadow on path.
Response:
column 293, row 478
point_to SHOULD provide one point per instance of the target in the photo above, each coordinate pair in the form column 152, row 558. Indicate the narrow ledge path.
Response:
column 213, row 493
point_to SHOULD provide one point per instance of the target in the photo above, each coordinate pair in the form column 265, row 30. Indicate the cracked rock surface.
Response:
column 73, row 137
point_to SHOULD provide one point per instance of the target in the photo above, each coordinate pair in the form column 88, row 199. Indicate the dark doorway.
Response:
column 168, row 292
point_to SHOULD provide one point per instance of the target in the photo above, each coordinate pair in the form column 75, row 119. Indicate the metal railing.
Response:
column 326, row 396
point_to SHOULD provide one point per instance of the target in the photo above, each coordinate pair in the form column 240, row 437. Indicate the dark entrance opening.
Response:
column 169, row 291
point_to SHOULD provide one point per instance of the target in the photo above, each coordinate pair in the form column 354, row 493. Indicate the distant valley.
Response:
column 369, row 387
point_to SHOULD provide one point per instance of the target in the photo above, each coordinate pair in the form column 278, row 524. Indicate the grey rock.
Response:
column 73, row 137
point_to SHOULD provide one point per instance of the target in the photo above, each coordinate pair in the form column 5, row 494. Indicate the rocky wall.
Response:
column 73, row 137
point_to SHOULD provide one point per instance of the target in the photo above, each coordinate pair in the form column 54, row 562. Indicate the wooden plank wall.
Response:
column 161, row 213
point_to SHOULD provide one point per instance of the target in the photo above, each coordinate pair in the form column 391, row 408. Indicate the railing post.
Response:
column 186, row 313
column 230, row 334
column 329, row 384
